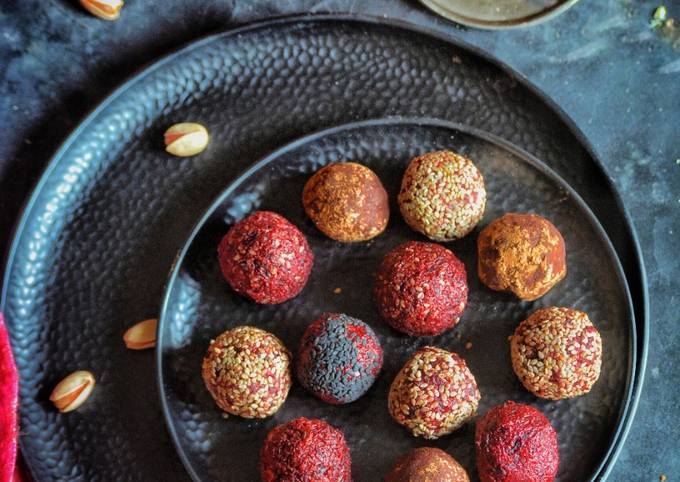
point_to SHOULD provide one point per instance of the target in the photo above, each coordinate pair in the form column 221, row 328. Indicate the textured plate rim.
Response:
column 617, row 438
column 526, row 21
column 435, row 32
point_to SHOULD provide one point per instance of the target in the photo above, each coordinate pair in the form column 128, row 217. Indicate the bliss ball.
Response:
column 433, row 394
column 427, row 464
column 442, row 195
column 339, row 358
column 265, row 258
column 305, row 450
column 248, row 372
column 421, row 289
column 347, row 202
column 521, row 253
column 557, row 353
column 515, row 443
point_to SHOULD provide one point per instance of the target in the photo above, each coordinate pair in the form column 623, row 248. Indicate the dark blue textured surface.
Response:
column 600, row 62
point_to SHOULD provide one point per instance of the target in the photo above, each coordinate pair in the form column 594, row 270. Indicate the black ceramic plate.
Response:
column 94, row 246
column 199, row 306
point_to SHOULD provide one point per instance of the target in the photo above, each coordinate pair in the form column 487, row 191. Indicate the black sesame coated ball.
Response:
column 339, row 358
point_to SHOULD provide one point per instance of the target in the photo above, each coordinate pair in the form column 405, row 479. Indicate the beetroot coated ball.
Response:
column 305, row 450
column 421, row 288
column 516, row 443
column 266, row 258
column 339, row 358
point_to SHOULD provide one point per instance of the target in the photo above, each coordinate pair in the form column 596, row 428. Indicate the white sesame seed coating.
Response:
column 433, row 394
column 442, row 195
column 557, row 353
column 248, row 372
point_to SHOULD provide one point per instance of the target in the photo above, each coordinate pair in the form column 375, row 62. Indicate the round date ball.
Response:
column 347, row 202
column 516, row 443
column 339, row 358
column 427, row 464
column 433, row 394
column 266, row 258
column 421, row 289
column 442, row 195
column 248, row 372
column 521, row 253
column 305, row 450
column 557, row 353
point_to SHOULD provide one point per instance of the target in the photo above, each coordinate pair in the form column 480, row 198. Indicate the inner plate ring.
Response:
column 215, row 222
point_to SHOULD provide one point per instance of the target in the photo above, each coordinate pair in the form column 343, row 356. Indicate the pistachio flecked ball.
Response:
column 433, row 394
column 442, row 195
column 248, row 372
column 347, row 202
column 557, row 353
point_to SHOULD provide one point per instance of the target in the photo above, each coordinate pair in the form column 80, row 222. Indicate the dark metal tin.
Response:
column 452, row 10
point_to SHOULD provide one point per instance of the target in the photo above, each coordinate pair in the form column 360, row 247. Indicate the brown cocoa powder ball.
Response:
column 427, row 464
column 347, row 202
column 521, row 253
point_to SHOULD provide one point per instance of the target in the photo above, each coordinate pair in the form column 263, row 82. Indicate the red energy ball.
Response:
column 265, row 258
column 305, row 450
column 421, row 289
column 516, row 443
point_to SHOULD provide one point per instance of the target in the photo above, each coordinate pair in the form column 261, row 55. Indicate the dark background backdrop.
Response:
column 601, row 62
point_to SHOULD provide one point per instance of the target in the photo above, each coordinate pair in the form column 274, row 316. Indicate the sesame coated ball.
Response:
column 266, row 258
column 347, row 202
column 421, row 289
column 442, row 195
column 557, row 353
column 521, row 253
column 248, row 372
column 305, row 450
column 427, row 464
column 433, row 394
column 516, row 443
column 339, row 358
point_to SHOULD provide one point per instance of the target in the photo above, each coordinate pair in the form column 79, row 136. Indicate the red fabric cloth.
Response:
column 9, row 428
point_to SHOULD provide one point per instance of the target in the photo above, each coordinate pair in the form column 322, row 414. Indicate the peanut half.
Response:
column 105, row 9
column 72, row 391
column 142, row 335
column 186, row 139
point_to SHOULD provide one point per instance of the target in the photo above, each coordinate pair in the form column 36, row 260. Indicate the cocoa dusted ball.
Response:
column 521, row 253
column 557, row 353
column 516, row 442
column 427, row 464
column 266, row 258
column 421, row 289
column 347, row 202
column 248, row 372
column 433, row 394
column 442, row 195
column 305, row 450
